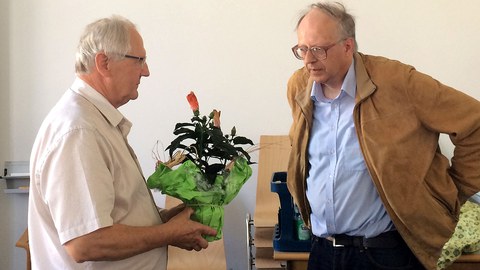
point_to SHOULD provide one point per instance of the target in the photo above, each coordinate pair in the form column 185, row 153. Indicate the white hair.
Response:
column 110, row 36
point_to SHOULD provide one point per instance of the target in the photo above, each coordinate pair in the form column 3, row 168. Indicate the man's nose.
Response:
column 145, row 70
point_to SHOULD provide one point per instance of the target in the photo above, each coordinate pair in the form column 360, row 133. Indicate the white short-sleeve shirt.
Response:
column 85, row 176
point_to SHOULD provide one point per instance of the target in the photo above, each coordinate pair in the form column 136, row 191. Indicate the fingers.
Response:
column 175, row 210
column 197, row 243
column 202, row 229
column 208, row 231
column 196, row 248
column 200, row 244
column 167, row 214
column 203, row 244
column 190, row 233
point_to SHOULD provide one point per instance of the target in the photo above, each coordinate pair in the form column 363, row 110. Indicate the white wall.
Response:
column 234, row 54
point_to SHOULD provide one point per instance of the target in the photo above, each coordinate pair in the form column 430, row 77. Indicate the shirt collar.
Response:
column 113, row 115
column 349, row 86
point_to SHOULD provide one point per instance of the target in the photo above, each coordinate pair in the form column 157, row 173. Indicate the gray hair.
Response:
column 337, row 12
column 110, row 36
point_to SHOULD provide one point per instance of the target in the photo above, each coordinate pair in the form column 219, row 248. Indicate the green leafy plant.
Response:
column 203, row 142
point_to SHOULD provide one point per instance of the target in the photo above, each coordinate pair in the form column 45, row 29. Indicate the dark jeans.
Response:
column 323, row 256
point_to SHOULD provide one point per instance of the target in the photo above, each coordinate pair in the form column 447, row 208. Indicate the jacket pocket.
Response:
column 444, row 193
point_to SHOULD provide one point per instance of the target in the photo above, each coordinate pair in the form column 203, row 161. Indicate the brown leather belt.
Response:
column 389, row 239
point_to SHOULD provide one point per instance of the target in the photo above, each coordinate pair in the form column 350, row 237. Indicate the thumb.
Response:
column 189, row 211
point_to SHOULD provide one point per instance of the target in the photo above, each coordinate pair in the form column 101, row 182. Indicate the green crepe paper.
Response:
column 187, row 183
column 466, row 237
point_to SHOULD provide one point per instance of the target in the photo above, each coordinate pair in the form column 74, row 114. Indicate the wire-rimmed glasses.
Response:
column 319, row 52
column 141, row 60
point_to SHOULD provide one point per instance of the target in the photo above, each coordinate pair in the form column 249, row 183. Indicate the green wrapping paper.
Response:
column 465, row 239
column 187, row 183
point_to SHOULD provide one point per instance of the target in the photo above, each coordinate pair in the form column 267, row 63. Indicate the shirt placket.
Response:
column 330, row 187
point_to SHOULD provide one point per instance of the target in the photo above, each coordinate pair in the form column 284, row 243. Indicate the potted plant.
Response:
column 207, row 168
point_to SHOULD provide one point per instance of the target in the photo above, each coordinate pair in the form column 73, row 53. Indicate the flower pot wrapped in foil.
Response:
column 187, row 183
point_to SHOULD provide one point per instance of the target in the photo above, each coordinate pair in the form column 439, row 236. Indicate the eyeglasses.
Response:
column 141, row 60
column 319, row 52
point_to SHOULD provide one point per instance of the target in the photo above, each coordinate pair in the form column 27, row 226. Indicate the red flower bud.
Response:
column 216, row 118
column 192, row 100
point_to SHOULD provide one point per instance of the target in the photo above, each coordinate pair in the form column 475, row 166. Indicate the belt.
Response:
column 389, row 239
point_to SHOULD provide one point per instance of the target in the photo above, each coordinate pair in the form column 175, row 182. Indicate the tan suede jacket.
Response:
column 398, row 116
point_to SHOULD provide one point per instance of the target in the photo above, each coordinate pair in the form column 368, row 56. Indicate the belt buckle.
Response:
column 335, row 243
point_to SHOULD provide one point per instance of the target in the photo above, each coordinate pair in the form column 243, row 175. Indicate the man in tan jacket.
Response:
column 365, row 169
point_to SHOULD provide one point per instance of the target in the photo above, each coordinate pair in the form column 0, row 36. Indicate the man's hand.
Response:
column 188, row 234
column 167, row 214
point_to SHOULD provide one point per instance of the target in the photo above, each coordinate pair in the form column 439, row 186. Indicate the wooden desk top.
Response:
column 474, row 257
column 290, row 256
column 301, row 256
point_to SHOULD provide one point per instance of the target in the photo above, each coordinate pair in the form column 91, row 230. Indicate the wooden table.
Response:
column 466, row 262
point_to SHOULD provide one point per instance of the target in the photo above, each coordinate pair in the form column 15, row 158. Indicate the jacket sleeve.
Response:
column 446, row 110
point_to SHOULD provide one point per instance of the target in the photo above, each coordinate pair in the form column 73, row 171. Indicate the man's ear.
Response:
column 101, row 63
column 349, row 44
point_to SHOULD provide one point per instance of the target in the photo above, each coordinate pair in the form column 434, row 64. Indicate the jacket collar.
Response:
column 365, row 86
column 304, row 100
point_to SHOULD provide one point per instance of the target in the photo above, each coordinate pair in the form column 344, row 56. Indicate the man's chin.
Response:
column 317, row 79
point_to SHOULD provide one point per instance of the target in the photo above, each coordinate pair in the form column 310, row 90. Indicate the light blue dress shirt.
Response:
column 340, row 190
